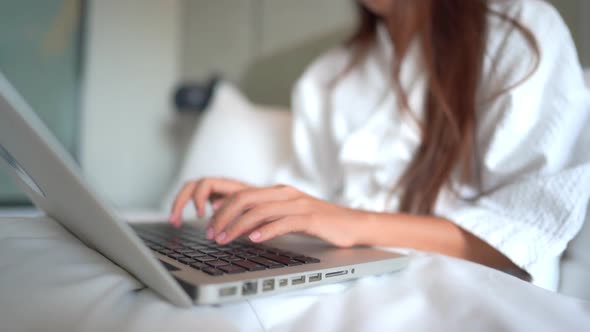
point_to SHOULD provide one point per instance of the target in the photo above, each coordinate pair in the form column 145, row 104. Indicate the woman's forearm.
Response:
column 429, row 234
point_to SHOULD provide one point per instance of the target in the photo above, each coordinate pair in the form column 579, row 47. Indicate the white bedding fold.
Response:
column 49, row 281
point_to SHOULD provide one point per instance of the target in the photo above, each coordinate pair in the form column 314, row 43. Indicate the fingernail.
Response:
column 254, row 236
column 216, row 205
column 210, row 233
column 220, row 237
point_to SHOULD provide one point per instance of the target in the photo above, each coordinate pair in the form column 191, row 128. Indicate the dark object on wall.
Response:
column 195, row 96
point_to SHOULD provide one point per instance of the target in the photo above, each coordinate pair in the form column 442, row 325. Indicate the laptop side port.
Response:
column 298, row 280
column 336, row 274
column 268, row 285
column 314, row 277
column 283, row 282
column 228, row 291
column 249, row 288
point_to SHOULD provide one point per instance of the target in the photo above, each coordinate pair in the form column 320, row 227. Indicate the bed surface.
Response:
column 49, row 281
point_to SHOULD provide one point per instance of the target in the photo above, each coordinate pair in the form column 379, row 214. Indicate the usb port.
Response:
column 268, row 285
column 315, row 277
column 298, row 280
column 249, row 288
column 283, row 282
column 228, row 291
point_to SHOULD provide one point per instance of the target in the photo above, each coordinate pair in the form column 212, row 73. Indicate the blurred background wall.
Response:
column 132, row 63
column 40, row 53
column 139, row 49
column 266, row 43
column 129, row 56
column 263, row 45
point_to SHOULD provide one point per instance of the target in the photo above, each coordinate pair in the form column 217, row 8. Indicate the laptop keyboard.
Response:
column 188, row 245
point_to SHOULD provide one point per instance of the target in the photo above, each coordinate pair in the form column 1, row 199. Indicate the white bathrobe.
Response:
column 351, row 144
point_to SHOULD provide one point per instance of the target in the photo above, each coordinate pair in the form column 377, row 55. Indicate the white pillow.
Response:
column 235, row 139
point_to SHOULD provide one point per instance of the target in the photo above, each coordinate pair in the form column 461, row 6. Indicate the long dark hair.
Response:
column 453, row 36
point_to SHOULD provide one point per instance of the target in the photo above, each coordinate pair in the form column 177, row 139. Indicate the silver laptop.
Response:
column 179, row 264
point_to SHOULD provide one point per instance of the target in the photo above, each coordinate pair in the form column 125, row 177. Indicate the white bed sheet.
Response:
column 49, row 281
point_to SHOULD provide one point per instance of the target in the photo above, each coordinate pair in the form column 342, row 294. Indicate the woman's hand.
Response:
column 214, row 190
column 264, row 213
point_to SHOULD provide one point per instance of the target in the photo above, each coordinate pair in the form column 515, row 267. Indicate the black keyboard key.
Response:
column 231, row 259
column 183, row 250
column 259, row 246
column 204, row 258
column 281, row 259
column 273, row 251
column 156, row 241
column 186, row 260
column 198, row 265
column 266, row 262
column 245, row 255
column 165, row 251
column 219, row 254
column 176, row 255
column 208, row 251
column 231, row 269
column 194, row 254
column 212, row 271
column 286, row 253
column 198, row 247
column 306, row 260
column 250, row 266
column 256, row 251
column 216, row 263
column 172, row 246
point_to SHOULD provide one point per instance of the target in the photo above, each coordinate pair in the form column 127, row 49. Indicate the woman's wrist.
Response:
column 368, row 228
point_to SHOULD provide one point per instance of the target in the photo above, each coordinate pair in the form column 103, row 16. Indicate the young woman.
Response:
column 449, row 126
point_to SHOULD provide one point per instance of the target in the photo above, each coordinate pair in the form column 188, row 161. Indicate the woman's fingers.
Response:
column 244, row 200
column 181, row 200
column 255, row 217
column 200, row 192
column 213, row 188
column 216, row 203
column 200, row 196
column 289, row 224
